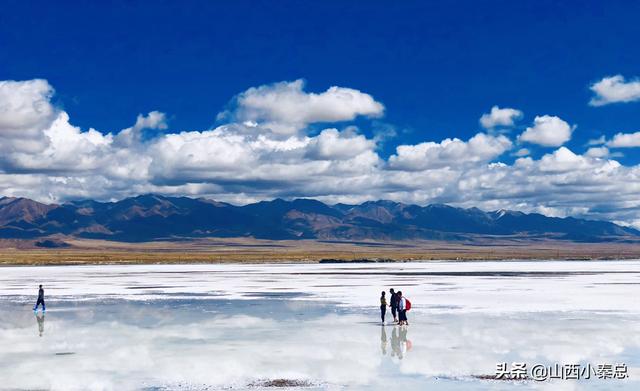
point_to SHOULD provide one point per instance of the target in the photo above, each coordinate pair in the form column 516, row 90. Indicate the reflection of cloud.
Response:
column 330, row 349
column 217, row 351
column 460, row 325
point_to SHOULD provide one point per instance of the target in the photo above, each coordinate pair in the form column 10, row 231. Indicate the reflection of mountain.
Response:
column 150, row 217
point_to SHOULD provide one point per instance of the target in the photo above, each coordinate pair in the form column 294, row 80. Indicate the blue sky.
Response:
column 436, row 67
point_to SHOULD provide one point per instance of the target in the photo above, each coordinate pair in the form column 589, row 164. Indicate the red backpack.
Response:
column 407, row 305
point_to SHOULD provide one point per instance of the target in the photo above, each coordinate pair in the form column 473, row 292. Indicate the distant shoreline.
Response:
column 98, row 262
column 253, row 251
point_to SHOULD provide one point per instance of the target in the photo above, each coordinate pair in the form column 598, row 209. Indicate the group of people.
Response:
column 398, row 303
column 399, row 306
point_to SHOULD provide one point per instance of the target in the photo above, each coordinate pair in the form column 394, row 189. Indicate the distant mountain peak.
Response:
column 152, row 217
column 500, row 213
column 14, row 210
column 381, row 202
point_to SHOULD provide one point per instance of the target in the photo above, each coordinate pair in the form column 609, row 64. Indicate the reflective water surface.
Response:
column 199, row 327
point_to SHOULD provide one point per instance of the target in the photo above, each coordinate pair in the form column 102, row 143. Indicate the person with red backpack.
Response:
column 403, row 306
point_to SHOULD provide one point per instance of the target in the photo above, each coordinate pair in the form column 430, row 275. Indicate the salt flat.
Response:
column 192, row 327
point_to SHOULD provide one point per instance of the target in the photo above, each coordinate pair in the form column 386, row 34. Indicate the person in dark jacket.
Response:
column 40, row 300
column 393, row 301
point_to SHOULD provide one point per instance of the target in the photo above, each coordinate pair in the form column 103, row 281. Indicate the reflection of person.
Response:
column 383, row 341
column 395, row 344
column 40, row 320
column 40, row 300
column 394, row 305
column 383, row 306
column 403, row 341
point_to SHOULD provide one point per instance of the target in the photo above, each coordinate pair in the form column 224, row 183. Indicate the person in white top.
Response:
column 402, row 309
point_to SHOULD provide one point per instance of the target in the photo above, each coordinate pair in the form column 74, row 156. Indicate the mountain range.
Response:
column 155, row 217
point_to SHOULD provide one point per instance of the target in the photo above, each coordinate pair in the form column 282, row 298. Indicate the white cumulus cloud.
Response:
column 131, row 136
column 331, row 144
column 449, row 152
column 25, row 107
column 614, row 89
column 548, row 131
column 500, row 117
column 285, row 108
column 598, row 152
column 597, row 141
column 625, row 140
column 522, row 152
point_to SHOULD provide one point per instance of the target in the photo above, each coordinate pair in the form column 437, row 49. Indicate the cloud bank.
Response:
column 264, row 148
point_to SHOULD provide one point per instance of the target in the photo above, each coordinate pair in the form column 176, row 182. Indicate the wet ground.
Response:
column 199, row 327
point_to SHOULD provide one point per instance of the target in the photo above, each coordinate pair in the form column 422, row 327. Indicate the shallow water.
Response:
column 196, row 327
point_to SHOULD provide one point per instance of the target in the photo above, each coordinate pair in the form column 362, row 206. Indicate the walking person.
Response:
column 394, row 305
column 383, row 306
column 402, row 309
column 40, row 300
